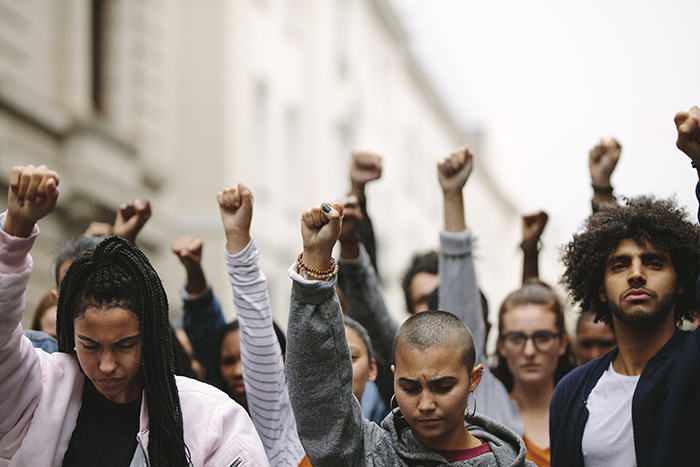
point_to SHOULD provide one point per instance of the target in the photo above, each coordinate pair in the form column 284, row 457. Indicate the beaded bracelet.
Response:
column 330, row 270
column 319, row 277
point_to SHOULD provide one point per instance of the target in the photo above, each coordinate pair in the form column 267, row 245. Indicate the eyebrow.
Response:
column 120, row 341
column 432, row 381
column 645, row 257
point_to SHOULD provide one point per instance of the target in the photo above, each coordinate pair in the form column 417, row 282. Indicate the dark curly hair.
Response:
column 643, row 219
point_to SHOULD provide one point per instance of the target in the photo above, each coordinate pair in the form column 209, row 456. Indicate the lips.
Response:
column 637, row 295
column 239, row 389
column 110, row 382
column 429, row 422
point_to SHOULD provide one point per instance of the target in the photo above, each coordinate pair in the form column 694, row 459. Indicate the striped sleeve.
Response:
column 263, row 366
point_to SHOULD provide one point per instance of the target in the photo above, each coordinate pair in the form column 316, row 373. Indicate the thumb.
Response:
column 335, row 216
column 246, row 196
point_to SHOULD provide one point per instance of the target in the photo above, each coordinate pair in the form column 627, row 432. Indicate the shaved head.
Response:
column 436, row 329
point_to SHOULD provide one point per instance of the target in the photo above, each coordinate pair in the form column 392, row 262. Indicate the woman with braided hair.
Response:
column 109, row 396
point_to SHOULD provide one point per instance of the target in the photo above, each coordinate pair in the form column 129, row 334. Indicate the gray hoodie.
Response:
column 329, row 419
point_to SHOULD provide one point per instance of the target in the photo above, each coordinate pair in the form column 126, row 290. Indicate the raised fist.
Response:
column 131, row 217
column 32, row 195
column 602, row 160
column 236, row 208
column 454, row 170
column 365, row 167
column 688, row 125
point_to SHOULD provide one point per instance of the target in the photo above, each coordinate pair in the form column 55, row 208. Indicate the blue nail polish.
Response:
column 326, row 208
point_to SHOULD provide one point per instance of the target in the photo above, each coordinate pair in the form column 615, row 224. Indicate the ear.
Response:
column 54, row 295
column 680, row 290
column 477, row 373
column 372, row 370
column 393, row 370
column 601, row 294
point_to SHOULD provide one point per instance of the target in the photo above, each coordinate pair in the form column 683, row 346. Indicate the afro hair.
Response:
column 643, row 219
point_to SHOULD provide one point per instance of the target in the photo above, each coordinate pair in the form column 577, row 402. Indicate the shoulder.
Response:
column 217, row 430
column 578, row 380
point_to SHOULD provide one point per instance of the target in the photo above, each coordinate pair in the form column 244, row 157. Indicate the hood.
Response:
column 507, row 447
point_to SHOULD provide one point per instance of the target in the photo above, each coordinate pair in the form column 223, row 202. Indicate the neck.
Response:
column 533, row 397
column 454, row 441
column 638, row 345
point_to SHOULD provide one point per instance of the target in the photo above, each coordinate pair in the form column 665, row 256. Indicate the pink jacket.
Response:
column 41, row 394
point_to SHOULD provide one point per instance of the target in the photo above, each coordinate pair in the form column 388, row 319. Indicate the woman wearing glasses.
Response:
column 533, row 355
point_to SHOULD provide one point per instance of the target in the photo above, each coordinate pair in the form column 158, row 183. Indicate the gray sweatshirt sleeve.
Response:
column 459, row 294
column 263, row 366
column 358, row 281
column 319, row 375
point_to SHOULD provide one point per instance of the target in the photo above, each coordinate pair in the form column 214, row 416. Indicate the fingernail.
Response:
column 326, row 208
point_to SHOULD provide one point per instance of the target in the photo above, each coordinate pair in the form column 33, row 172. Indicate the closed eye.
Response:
column 443, row 389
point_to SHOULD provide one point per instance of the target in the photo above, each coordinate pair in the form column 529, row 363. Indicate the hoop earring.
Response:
column 396, row 411
column 473, row 412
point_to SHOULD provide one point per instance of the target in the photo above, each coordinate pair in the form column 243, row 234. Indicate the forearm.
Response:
column 364, row 297
column 453, row 203
column 263, row 365
column 601, row 197
column 531, row 263
column 203, row 321
column 20, row 383
column 319, row 372
column 196, row 282
column 458, row 292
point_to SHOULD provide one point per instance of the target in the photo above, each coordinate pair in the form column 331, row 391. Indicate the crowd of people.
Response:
column 104, row 378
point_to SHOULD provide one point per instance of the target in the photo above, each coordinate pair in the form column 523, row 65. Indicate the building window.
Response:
column 100, row 9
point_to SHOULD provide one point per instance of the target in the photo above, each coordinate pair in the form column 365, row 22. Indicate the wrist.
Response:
column 235, row 242
column 316, row 260
column 357, row 189
column 18, row 227
column 530, row 248
column 350, row 250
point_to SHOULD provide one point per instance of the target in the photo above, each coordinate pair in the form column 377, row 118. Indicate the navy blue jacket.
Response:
column 665, row 405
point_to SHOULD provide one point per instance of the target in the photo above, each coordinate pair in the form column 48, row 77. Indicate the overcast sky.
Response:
column 545, row 80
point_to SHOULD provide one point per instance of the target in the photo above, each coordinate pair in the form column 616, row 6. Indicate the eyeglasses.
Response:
column 543, row 340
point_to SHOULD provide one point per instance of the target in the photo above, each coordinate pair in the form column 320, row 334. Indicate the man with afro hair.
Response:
column 635, row 264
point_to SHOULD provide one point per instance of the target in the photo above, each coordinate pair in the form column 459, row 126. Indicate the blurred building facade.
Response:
column 174, row 100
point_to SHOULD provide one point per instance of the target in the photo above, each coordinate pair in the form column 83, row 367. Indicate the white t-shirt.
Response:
column 608, row 438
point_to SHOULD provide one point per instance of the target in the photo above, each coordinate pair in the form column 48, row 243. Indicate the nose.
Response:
column 530, row 349
column 108, row 363
column 426, row 403
column 636, row 274
column 238, row 369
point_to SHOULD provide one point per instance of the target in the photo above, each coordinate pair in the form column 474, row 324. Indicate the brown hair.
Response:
column 534, row 292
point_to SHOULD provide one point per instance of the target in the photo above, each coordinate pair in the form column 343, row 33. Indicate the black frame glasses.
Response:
column 542, row 340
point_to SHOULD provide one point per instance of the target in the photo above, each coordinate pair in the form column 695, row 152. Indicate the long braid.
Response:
column 117, row 272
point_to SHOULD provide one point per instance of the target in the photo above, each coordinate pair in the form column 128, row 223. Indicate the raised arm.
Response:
column 458, row 292
column 364, row 168
column 602, row 160
column 358, row 281
column 263, row 365
column 32, row 194
column 203, row 319
column 533, row 226
column 688, row 126
column 319, row 368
